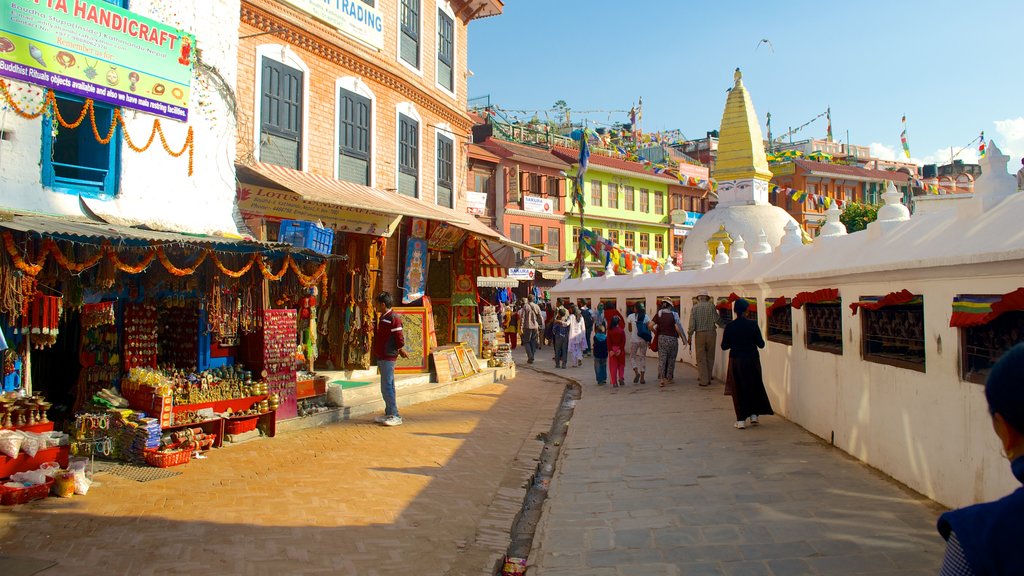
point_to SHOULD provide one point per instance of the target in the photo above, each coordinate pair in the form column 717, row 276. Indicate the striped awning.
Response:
column 489, row 267
column 488, row 282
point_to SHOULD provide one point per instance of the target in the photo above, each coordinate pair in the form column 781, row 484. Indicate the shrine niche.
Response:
column 780, row 320
column 824, row 326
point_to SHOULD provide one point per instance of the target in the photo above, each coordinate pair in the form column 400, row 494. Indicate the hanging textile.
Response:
column 975, row 310
column 890, row 299
column 775, row 303
column 823, row 295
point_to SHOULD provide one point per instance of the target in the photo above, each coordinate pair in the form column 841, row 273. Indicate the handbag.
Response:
column 653, row 345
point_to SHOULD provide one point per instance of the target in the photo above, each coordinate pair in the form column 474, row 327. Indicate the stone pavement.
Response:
column 436, row 496
column 656, row 481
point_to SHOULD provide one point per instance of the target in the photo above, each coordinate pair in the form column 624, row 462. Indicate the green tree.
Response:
column 856, row 217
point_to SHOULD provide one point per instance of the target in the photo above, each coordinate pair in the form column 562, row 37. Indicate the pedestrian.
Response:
column 511, row 326
column 669, row 330
column 531, row 321
column 388, row 344
column 704, row 320
column 599, row 319
column 1020, row 176
column 560, row 330
column 588, row 324
column 601, row 355
column 549, row 322
column 743, row 379
column 638, row 338
column 577, row 336
column 985, row 538
column 617, row 352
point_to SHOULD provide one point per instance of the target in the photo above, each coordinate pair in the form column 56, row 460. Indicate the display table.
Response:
column 212, row 426
column 220, row 406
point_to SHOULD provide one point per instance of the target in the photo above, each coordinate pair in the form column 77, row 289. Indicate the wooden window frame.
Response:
column 779, row 326
column 871, row 340
column 972, row 339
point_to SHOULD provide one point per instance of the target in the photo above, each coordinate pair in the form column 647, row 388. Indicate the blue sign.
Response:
column 691, row 218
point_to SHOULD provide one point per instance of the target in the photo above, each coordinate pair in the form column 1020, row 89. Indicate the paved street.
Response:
column 435, row 496
column 657, row 482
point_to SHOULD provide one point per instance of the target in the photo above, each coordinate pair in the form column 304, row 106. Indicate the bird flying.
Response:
column 765, row 41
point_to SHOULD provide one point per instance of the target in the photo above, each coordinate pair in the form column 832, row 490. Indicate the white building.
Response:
column 894, row 384
column 49, row 169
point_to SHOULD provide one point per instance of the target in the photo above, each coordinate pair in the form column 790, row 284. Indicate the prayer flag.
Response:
column 981, row 147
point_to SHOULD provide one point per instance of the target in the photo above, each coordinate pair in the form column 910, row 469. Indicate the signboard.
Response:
column 93, row 49
column 351, row 17
column 476, row 203
column 537, row 204
column 680, row 232
column 783, row 169
column 685, row 218
column 285, row 204
column 521, row 273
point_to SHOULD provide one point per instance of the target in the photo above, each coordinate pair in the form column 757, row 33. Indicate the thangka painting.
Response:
column 464, row 291
column 469, row 334
column 445, row 237
column 415, row 276
column 443, row 321
column 464, row 314
column 419, row 228
column 414, row 327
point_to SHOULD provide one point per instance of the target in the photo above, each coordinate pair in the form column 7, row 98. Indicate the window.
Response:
column 659, row 202
column 75, row 162
column 725, row 313
column 536, row 235
column 982, row 345
column 894, row 335
column 515, row 232
column 629, row 241
column 444, row 171
column 595, row 193
column 645, row 243
column 481, row 182
column 645, row 201
column 281, row 115
column 613, row 195
column 554, row 243
column 575, row 238
column 354, row 139
column 409, row 49
column 677, row 244
column 445, row 51
column 554, row 184
column 408, row 156
column 824, row 326
column 659, row 245
column 780, row 324
column 628, row 192
column 613, row 235
column 677, row 201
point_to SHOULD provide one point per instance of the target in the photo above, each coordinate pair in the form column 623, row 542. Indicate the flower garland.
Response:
column 265, row 270
column 233, row 274
column 50, row 246
column 174, row 270
column 307, row 281
column 50, row 104
column 19, row 262
column 128, row 268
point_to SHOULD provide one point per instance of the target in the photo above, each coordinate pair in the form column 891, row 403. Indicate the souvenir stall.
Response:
column 141, row 343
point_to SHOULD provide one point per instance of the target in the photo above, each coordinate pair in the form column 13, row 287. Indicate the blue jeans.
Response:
column 601, row 369
column 561, row 350
column 530, row 342
column 387, row 386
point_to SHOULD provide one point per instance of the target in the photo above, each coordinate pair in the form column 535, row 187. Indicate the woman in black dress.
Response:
column 743, row 380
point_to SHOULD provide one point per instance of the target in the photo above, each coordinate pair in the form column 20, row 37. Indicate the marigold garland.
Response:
column 129, row 268
column 50, row 103
column 265, row 269
column 76, row 267
column 233, row 274
column 307, row 281
column 19, row 262
column 174, row 270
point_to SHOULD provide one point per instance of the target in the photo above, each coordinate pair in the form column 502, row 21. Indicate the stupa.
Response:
column 743, row 180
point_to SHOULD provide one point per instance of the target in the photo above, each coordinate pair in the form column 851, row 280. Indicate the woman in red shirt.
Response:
column 617, row 352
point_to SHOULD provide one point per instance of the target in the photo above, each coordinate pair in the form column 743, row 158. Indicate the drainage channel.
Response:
column 525, row 523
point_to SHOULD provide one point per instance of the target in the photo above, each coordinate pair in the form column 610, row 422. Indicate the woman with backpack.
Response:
column 638, row 336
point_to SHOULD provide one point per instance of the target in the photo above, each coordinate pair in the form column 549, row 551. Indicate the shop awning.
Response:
column 492, row 282
column 489, row 266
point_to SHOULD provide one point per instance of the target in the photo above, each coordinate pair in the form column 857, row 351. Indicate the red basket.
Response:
column 167, row 459
column 241, row 424
column 11, row 496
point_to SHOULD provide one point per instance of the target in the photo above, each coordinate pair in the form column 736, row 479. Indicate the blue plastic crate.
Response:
column 305, row 234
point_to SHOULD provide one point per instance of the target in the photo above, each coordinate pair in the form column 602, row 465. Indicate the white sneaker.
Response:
column 380, row 419
column 740, row 424
column 753, row 419
column 392, row 421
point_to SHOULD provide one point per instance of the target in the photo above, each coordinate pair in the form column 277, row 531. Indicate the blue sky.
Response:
column 954, row 68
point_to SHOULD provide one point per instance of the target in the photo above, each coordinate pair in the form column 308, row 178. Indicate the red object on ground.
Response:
column 24, row 462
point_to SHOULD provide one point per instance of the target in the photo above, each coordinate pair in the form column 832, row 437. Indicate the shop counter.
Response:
column 24, row 462
column 212, row 426
column 220, row 406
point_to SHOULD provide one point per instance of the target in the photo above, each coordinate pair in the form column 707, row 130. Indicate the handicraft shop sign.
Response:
column 351, row 17
column 94, row 49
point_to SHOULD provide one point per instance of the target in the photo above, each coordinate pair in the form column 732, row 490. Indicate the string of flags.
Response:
column 818, row 200
column 622, row 259
column 981, row 147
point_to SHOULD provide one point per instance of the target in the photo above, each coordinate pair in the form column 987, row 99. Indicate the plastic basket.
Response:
column 11, row 496
column 240, row 425
column 167, row 459
column 305, row 234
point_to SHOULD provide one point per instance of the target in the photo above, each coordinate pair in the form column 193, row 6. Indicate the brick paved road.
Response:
column 435, row 496
column 657, row 482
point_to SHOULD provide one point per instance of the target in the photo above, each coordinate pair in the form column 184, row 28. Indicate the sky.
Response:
column 953, row 68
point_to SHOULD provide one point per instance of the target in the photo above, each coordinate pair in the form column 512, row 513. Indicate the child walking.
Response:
column 600, row 350
column 617, row 352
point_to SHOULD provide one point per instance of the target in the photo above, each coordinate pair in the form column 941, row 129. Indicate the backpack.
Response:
column 642, row 331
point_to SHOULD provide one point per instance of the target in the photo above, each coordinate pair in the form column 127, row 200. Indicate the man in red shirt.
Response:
column 388, row 345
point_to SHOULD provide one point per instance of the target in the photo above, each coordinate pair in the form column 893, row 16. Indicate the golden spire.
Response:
column 740, row 146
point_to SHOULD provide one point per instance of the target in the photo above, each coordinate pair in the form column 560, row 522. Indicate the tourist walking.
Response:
column 588, row 323
column 599, row 319
column 511, row 325
column 560, row 331
column 600, row 355
column 638, row 338
column 617, row 352
column 577, row 336
column 669, row 329
column 531, row 322
column 549, row 322
column 704, row 320
column 388, row 344
column 743, row 381
column 985, row 538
